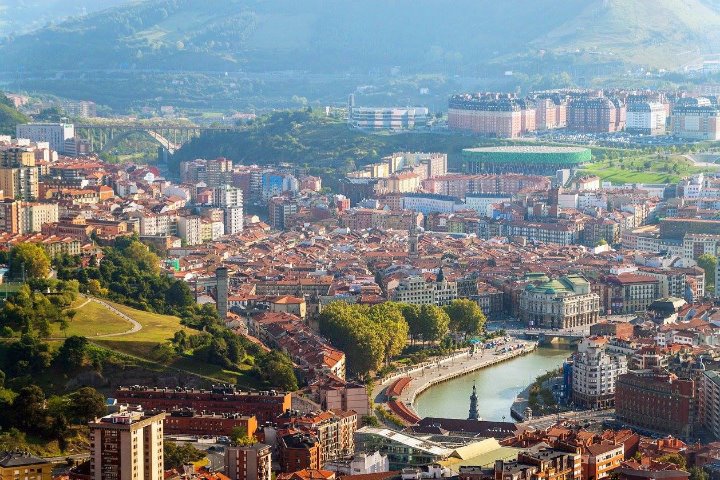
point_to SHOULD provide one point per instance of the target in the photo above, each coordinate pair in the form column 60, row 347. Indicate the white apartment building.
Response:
column 595, row 372
column 648, row 118
column 695, row 245
column 53, row 133
column 163, row 224
column 415, row 290
column 483, row 203
column 35, row 215
column 189, row 229
column 230, row 199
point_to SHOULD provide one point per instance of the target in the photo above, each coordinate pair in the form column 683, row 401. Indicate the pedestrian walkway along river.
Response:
column 497, row 386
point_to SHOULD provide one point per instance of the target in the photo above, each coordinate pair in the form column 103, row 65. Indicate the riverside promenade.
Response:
column 405, row 387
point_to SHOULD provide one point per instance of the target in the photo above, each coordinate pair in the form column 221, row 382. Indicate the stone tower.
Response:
column 413, row 238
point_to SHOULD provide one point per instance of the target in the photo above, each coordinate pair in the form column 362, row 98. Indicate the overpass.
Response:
column 104, row 137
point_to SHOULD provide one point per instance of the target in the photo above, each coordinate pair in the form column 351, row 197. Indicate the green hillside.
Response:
column 255, row 53
column 9, row 117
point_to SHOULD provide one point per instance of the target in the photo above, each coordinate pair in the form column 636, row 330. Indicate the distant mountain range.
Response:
column 23, row 16
column 371, row 37
column 332, row 35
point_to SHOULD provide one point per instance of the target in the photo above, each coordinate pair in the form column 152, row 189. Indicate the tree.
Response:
column 73, row 352
column 175, row 455
column 389, row 319
column 86, row 404
column 466, row 316
column 698, row 473
column 239, row 436
column 708, row 263
column 434, row 322
column 29, row 258
column 276, row 370
column 28, row 410
column 674, row 458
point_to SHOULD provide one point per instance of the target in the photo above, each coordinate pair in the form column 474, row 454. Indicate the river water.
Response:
column 497, row 387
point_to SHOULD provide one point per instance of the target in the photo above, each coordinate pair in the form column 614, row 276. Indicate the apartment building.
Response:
column 696, row 119
column 17, row 465
column 188, row 229
column 602, row 460
column 53, row 133
column 20, row 183
column 34, row 215
column 127, row 446
column 491, row 114
column 596, row 114
column 594, row 374
column 646, row 118
column 251, row 462
column 415, row 290
column 546, row 463
column 655, row 402
column 631, row 292
column 709, row 402
column 265, row 405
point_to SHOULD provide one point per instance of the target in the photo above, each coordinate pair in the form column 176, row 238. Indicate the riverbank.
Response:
column 408, row 386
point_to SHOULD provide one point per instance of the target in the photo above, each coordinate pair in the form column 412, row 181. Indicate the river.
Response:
column 497, row 387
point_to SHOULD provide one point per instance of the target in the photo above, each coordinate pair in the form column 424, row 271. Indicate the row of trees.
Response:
column 371, row 335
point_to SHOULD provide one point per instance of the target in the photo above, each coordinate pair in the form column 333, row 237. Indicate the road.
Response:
column 592, row 416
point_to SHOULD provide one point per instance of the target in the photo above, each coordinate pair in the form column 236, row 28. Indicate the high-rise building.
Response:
column 594, row 374
column 252, row 462
column 230, row 199
column 10, row 219
column 709, row 402
column 20, row 183
column 127, row 446
column 53, row 133
column 278, row 209
column 17, row 156
column 189, row 229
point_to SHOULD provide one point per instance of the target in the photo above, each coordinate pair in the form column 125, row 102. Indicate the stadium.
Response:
column 536, row 160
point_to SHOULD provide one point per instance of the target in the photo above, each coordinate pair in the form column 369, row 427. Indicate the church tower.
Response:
column 474, row 414
column 413, row 238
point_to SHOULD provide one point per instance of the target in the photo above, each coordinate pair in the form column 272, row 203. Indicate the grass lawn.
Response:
column 90, row 320
column 156, row 329
column 645, row 169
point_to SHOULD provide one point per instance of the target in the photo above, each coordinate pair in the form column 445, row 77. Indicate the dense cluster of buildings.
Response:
column 586, row 111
